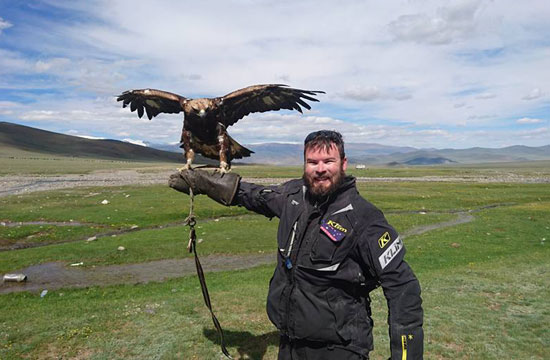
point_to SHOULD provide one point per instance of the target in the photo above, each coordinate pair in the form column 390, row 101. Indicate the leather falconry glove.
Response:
column 220, row 187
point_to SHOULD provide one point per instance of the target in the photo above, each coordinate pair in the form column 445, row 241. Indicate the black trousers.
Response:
column 312, row 350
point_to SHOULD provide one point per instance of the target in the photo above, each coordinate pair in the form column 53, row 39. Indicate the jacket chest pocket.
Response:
column 333, row 237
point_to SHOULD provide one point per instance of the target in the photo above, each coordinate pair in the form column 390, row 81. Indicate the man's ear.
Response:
column 344, row 163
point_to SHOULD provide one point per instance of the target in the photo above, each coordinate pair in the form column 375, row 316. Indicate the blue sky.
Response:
column 444, row 74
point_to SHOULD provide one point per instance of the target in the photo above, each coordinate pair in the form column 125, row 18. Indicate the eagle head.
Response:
column 199, row 107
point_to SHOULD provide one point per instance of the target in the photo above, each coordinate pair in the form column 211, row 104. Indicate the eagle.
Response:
column 205, row 120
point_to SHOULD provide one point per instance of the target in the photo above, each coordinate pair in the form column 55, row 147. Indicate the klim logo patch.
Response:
column 335, row 233
column 384, row 239
column 337, row 226
column 390, row 253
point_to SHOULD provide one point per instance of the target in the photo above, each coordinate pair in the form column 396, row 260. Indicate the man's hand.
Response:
column 220, row 187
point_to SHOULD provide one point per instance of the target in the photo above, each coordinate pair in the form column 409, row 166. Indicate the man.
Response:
column 334, row 247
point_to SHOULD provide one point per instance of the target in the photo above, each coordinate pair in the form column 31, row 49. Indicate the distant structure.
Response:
column 360, row 166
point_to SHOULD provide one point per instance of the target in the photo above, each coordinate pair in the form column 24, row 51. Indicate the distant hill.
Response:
column 423, row 160
column 291, row 154
column 376, row 154
column 32, row 139
column 47, row 142
column 475, row 155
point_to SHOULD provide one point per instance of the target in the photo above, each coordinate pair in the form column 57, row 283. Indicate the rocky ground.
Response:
column 14, row 184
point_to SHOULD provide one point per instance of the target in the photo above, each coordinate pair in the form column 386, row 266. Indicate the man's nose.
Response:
column 321, row 167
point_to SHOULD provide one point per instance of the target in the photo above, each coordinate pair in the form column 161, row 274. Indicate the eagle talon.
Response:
column 224, row 167
column 185, row 167
column 223, row 170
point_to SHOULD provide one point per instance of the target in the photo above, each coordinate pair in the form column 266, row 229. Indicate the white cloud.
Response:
column 449, row 24
column 373, row 93
column 486, row 96
column 8, row 104
column 533, row 94
column 527, row 120
column 540, row 133
column 40, row 115
column 367, row 56
column 52, row 64
column 4, row 24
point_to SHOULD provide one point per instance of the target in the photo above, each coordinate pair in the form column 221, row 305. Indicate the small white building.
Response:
column 360, row 166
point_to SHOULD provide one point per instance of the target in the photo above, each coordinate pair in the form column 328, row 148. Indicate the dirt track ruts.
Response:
column 21, row 184
column 56, row 275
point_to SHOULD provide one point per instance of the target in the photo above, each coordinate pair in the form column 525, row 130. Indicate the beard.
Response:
column 317, row 191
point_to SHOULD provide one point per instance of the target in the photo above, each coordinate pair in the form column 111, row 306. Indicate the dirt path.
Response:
column 18, row 184
column 56, row 275
column 23, row 184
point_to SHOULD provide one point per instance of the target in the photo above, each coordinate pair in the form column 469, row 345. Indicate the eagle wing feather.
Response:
column 152, row 102
column 262, row 98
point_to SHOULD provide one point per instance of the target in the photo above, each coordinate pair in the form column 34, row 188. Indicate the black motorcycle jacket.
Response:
column 331, row 254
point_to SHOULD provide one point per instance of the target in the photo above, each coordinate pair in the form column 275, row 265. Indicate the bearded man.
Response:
column 334, row 248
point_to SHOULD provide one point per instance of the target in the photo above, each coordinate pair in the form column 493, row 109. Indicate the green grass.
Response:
column 19, row 162
column 230, row 235
column 128, row 206
column 484, row 283
column 487, row 302
column 13, row 161
column 528, row 168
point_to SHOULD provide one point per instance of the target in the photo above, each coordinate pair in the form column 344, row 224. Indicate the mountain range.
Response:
column 20, row 137
column 377, row 154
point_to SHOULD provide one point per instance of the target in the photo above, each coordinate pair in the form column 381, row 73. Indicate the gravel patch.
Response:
column 22, row 184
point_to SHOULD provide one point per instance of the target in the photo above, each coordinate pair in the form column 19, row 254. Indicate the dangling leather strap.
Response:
column 192, row 247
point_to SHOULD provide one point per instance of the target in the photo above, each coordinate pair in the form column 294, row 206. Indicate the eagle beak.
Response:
column 202, row 113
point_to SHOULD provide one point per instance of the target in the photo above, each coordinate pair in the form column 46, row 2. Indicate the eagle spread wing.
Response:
column 202, row 117
column 153, row 101
column 261, row 98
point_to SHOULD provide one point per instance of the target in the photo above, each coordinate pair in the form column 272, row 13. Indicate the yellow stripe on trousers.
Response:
column 404, row 347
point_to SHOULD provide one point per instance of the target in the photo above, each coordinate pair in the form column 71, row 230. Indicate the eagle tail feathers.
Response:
column 237, row 150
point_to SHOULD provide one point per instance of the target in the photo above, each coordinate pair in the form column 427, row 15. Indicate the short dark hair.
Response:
column 325, row 139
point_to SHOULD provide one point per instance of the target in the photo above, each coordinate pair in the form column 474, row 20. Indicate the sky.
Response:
column 427, row 74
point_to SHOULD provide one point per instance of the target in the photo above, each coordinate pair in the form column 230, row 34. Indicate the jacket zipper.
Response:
column 288, row 262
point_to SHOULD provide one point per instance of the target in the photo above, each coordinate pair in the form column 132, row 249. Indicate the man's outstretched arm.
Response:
column 228, row 189
column 384, row 254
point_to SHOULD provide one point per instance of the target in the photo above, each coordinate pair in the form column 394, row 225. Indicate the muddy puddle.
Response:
column 56, row 275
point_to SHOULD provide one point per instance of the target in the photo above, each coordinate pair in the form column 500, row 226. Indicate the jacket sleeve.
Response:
column 383, row 252
column 265, row 200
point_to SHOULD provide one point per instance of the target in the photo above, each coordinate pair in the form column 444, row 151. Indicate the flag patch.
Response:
column 330, row 229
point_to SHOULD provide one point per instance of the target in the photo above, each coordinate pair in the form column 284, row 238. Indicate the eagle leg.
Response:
column 223, row 142
column 187, row 150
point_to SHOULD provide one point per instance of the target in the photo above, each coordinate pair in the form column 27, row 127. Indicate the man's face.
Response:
column 323, row 170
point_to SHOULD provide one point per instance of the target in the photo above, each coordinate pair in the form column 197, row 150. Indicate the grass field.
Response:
column 485, row 283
